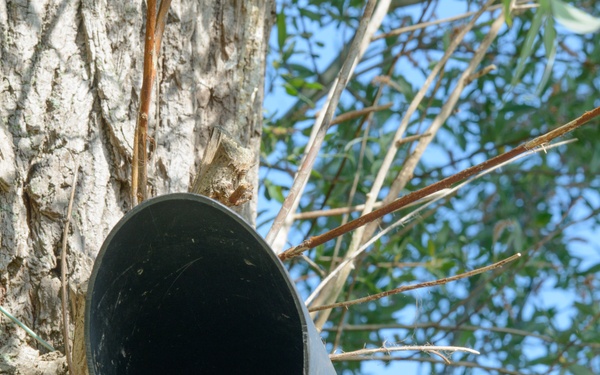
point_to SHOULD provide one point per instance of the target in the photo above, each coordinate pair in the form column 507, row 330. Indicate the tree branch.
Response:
column 443, row 184
column 155, row 26
column 426, row 284
column 421, row 348
column 358, row 113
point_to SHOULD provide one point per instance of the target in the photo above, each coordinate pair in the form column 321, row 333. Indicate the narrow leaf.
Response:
column 281, row 30
column 550, row 48
column 506, row 11
column 527, row 49
column 549, row 36
column 580, row 370
column 574, row 19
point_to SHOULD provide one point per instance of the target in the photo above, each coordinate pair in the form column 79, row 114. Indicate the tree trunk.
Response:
column 69, row 82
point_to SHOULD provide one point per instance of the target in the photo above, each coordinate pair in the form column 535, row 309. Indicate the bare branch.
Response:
column 426, row 284
column 459, row 327
column 420, row 348
column 63, row 273
column 155, row 25
column 480, row 73
column 358, row 113
column 309, row 160
column 347, row 210
column 139, row 190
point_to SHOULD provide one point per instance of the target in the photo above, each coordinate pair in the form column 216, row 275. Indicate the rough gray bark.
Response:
column 69, row 83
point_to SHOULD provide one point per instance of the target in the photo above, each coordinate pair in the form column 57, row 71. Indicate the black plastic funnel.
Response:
column 182, row 285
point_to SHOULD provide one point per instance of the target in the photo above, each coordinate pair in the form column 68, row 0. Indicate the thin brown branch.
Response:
column 443, row 184
column 480, row 73
column 340, row 330
column 411, row 138
column 382, row 264
column 155, row 26
column 63, row 273
column 358, row 113
column 377, row 327
column 161, row 21
column 139, row 173
column 330, row 212
column 426, row 284
column 460, row 327
column 443, row 357
column 347, row 210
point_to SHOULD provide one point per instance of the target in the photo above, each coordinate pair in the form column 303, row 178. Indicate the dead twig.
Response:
column 347, row 210
column 426, row 284
column 63, row 272
column 421, row 348
column 358, row 113
column 155, row 26
column 480, row 73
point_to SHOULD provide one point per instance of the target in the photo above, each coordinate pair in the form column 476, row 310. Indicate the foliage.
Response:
column 540, row 313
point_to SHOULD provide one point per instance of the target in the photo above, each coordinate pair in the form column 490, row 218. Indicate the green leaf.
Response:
column 580, row 370
column 543, row 218
column 585, row 309
column 315, row 174
column 527, row 49
column 574, row 19
column 549, row 36
column 273, row 191
column 291, row 90
column 313, row 85
column 506, row 11
column 281, row 29
column 550, row 47
column 310, row 14
column 431, row 248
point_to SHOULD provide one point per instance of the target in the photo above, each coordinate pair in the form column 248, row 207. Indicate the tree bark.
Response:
column 69, row 81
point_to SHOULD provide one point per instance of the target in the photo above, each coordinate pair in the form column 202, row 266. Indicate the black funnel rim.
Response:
column 311, row 336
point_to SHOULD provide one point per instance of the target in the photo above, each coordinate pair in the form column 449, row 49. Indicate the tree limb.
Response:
column 426, row 284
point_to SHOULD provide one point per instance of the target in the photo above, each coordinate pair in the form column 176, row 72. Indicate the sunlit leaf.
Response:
column 310, row 14
column 550, row 47
column 574, row 19
column 526, row 49
column 580, row 370
column 507, row 12
column 281, row 29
